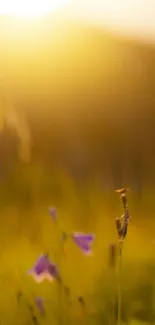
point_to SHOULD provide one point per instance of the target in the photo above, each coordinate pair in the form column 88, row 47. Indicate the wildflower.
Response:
column 44, row 269
column 53, row 213
column 84, row 242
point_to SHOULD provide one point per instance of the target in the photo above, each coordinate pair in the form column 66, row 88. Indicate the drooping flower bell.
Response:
column 44, row 269
column 84, row 242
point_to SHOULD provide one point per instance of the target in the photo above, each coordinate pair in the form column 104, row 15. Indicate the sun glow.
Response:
column 30, row 8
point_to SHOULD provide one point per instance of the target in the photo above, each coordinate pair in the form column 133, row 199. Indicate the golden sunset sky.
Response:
column 129, row 17
column 135, row 18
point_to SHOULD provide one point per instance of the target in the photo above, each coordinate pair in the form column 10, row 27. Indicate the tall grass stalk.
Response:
column 119, row 281
column 122, row 226
column 112, row 264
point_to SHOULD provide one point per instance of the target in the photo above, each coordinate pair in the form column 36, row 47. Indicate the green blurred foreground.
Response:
column 27, row 231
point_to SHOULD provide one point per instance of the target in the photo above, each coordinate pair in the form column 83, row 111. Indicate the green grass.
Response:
column 27, row 231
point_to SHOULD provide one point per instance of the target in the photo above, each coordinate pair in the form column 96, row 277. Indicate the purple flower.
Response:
column 44, row 269
column 84, row 242
column 53, row 213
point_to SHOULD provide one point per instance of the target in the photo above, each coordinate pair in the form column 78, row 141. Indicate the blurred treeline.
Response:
column 87, row 98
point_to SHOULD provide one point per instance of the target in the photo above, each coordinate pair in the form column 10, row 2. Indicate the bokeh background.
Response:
column 77, row 121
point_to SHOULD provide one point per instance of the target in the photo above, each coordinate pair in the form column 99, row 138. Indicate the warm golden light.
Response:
column 30, row 8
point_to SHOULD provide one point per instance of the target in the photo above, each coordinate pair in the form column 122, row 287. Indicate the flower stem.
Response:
column 61, row 255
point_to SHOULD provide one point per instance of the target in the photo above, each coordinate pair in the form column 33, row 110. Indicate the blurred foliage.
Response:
column 27, row 231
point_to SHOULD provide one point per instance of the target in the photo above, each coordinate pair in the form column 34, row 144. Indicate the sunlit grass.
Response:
column 27, row 231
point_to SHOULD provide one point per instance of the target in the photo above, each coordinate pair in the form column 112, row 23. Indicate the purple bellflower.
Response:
column 44, row 269
column 84, row 242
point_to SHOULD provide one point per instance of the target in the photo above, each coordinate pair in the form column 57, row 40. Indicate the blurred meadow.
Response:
column 27, row 231
column 77, row 116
